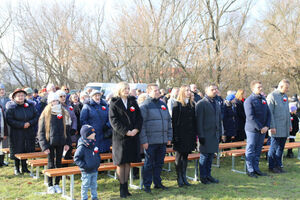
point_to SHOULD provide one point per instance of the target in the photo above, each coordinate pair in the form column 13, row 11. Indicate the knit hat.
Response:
column 18, row 90
column 293, row 108
column 28, row 90
column 60, row 93
column 230, row 97
column 2, row 86
column 94, row 92
column 86, row 131
column 52, row 97
column 50, row 86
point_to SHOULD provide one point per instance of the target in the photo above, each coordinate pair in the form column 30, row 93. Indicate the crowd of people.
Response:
column 140, row 124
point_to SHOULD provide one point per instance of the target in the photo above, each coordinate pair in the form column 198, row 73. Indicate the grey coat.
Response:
column 280, row 115
column 209, row 126
column 157, row 124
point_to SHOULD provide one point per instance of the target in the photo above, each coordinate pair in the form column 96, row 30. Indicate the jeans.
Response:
column 154, row 161
column 205, row 163
column 255, row 142
column 276, row 151
column 55, row 152
column 89, row 180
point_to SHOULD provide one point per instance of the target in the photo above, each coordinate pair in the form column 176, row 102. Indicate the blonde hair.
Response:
column 46, row 114
column 239, row 94
column 181, row 95
column 121, row 86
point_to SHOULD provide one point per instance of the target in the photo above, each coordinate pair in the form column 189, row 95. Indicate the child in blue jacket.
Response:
column 88, row 159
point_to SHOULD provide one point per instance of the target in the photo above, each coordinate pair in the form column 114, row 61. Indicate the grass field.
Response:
column 231, row 186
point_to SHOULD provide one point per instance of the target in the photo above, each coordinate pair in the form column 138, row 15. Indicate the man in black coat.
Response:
column 208, row 119
column 194, row 90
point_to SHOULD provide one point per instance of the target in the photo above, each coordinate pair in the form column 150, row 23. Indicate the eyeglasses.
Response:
column 67, row 89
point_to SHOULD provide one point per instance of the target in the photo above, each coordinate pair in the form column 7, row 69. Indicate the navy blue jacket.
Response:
column 230, row 120
column 257, row 113
column 96, row 115
column 85, row 158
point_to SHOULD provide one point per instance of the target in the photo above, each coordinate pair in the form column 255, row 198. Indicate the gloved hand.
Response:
column 202, row 141
column 72, row 131
column 105, row 128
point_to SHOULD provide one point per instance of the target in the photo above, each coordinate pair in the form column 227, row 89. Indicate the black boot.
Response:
column 179, row 174
column 126, row 189
column 122, row 191
column 24, row 167
column 17, row 167
column 184, row 167
column 290, row 154
column 1, row 160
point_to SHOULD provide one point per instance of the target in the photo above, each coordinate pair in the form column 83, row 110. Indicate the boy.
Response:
column 87, row 157
column 295, row 129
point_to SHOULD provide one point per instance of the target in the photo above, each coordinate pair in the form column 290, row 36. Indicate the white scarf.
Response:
column 186, row 100
column 124, row 102
column 56, row 109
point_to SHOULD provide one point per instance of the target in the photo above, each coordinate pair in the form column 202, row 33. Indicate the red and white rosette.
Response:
column 292, row 119
column 26, row 105
column 132, row 109
column 285, row 99
column 163, row 107
column 103, row 108
column 264, row 101
column 59, row 116
column 71, row 108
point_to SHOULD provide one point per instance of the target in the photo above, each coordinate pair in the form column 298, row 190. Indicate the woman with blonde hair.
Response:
column 54, row 136
column 184, row 132
column 126, row 120
column 240, row 115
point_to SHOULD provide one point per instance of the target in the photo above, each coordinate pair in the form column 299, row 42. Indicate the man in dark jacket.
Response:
column 258, row 118
column 87, row 158
column 208, row 119
column 194, row 90
column 156, row 133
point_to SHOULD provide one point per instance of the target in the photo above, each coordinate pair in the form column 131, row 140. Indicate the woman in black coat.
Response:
column 240, row 115
column 126, row 120
column 184, row 132
column 22, row 117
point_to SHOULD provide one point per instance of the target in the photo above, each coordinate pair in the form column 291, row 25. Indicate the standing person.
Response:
column 295, row 129
column 77, row 106
column 3, row 135
column 280, row 125
column 184, row 132
column 95, row 113
column 3, row 98
column 87, row 158
column 195, row 92
column 126, row 121
column 208, row 119
column 229, row 120
column 54, row 136
column 258, row 118
column 21, row 117
column 155, row 135
column 240, row 115
column 73, row 129
column 172, row 100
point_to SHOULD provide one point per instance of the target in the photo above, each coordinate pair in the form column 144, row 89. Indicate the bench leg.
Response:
column 45, row 177
column 233, row 166
column 72, row 186
column 131, row 185
column 195, row 178
column 64, row 185
column 299, row 153
column 218, row 160
column 31, row 171
column 37, row 173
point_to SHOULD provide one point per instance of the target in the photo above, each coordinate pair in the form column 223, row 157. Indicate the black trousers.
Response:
column 180, row 156
column 54, row 161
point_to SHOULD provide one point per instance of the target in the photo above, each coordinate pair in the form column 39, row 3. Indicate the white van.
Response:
column 108, row 88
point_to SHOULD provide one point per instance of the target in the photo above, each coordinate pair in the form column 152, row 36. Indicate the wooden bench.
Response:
column 71, row 171
column 241, row 152
column 44, row 162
